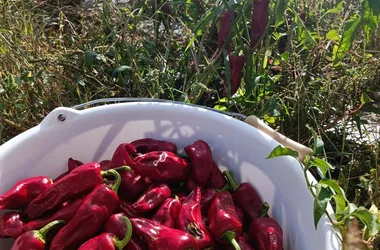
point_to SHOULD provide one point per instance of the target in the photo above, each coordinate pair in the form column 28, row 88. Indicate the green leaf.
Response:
column 282, row 151
column 318, row 143
column 280, row 10
column 228, row 71
column 368, row 19
column 332, row 184
column 333, row 35
column 89, row 57
column 303, row 33
column 349, row 33
column 364, row 99
column 375, row 6
column 368, row 219
column 340, row 203
column 322, row 197
column 321, row 164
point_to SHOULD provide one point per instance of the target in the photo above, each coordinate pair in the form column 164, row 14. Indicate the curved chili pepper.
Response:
column 245, row 197
column 109, row 241
column 225, row 27
column 260, row 18
column 190, row 220
column 123, row 155
column 206, row 200
column 66, row 213
column 161, row 166
column 266, row 234
column 35, row 239
column 240, row 214
column 243, row 244
column 90, row 217
column 162, row 237
column 80, row 181
column 236, row 73
column 132, row 186
column 24, row 191
column 167, row 214
column 11, row 225
column 156, row 194
column 224, row 223
column 216, row 179
column 135, row 244
column 105, row 165
column 201, row 159
column 146, row 145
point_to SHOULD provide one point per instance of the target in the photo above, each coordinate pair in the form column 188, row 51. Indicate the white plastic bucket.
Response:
column 94, row 133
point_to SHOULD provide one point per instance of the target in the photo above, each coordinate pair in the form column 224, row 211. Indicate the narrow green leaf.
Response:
column 364, row 99
column 375, row 6
column 282, row 151
column 318, row 143
column 303, row 33
column 368, row 19
column 321, row 164
column 322, row 197
column 349, row 33
column 228, row 71
column 332, row 184
column 333, row 35
column 368, row 219
column 280, row 10
column 340, row 203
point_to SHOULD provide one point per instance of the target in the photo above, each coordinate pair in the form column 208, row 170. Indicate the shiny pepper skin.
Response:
column 157, row 193
column 190, row 220
column 65, row 213
column 146, row 145
column 132, row 186
column 159, row 237
column 91, row 215
column 24, row 191
column 11, row 225
column 161, row 166
column 80, row 181
column 266, row 234
column 223, row 218
column 126, row 208
column 123, row 155
column 167, row 214
column 243, row 243
column 216, row 179
column 135, row 244
column 201, row 160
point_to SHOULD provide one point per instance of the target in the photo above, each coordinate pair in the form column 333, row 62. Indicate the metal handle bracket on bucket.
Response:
column 251, row 120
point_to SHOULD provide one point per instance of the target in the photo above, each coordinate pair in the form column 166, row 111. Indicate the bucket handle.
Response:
column 287, row 142
column 251, row 120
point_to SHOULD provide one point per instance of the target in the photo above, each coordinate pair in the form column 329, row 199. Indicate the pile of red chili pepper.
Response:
column 147, row 196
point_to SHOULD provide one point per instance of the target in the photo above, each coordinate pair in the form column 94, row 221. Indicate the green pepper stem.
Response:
column 41, row 234
column 115, row 186
column 230, row 180
column 120, row 244
column 264, row 210
column 225, row 188
column 123, row 168
column 230, row 237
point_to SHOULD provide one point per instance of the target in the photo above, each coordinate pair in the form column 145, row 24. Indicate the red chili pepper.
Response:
column 190, row 220
column 123, row 155
column 105, row 165
column 35, row 239
column 266, row 233
column 240, row 214
column 207, row 198
column 162, row 166
column 246, row 198
column 201, row 159
column 152, row 198
column 260, row 18
column 109, row 241
column 66, row 213
column 162, row 237
column 80, row 181
column 236, row 72
column 132, row 186
column 224, row 223
column 217, row 179
column 136, row 244
column 24, row 191
column 71, row 165
column 11, row 225
column 243, row 244
column 126, row 208
column 90, row 217
column 167, row 214
column 146, row 145
column 225, row 27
